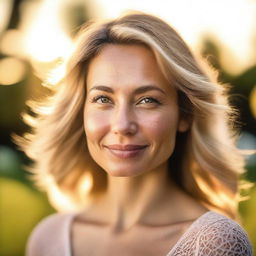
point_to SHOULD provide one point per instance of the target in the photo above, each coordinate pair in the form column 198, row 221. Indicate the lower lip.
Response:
column 125, row 154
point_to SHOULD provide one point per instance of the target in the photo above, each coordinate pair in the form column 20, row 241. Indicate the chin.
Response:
column 123, row 173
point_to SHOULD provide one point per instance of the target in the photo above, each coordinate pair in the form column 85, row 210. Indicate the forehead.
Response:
column 120, row 65
column 125, row 52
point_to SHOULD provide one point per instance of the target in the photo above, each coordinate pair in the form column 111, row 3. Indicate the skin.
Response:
column 126, row 117
column 139, row 195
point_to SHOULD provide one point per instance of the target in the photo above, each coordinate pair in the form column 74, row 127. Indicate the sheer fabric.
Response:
column 212, row 234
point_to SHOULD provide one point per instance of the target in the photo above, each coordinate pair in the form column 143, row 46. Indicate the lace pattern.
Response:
column 213, row 235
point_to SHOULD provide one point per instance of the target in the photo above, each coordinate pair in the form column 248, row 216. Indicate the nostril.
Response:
column 125, row 128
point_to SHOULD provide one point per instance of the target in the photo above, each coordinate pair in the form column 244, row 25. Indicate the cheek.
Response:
column 95, row 125
column 160, row 125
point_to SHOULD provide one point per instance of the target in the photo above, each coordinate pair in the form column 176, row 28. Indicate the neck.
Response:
column 132, row 198
column 148, row 199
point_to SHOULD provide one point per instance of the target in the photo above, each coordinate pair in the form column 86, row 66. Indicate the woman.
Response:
column 138, row 113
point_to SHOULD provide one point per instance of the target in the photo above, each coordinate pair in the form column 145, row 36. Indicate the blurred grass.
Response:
column 247, row 210
column 21, row 205
column 21, row 209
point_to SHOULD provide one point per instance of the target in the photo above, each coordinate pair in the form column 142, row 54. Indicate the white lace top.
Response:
column 212, row 234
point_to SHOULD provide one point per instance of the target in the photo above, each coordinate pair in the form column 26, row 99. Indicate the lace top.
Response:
column 212, row 234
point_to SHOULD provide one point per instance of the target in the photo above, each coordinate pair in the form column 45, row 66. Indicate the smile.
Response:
column 126, row 151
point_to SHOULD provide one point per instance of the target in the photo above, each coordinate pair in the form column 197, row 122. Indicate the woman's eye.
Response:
column 106, row 100
column 148, row 100
column 101, row 100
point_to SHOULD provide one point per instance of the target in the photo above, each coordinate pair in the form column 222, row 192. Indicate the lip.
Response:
column 127, row 147
column 126, row 151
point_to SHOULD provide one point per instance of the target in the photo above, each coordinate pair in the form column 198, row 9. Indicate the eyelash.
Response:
column 95, row 99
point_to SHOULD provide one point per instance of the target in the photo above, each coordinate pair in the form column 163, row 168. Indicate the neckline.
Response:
column 187, row 230
column 73, row 215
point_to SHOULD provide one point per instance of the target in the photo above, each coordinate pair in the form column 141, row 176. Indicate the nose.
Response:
column 123, row 121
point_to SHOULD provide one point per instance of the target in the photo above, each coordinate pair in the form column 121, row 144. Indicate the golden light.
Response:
column 5, row 11
column 12, row 43
column 84, row 186
column 232, row 22
column 63, row 201
column 220, row 198
column 60, row 201
column 12, row 70
column 252, row 101
column 45, row 39
column 56, row 75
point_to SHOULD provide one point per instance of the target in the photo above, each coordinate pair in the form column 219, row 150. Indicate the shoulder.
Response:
column 49, row 235
column 216, row 234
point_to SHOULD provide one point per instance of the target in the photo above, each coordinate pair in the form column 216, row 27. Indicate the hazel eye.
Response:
column 102, row 100
column 148, row 100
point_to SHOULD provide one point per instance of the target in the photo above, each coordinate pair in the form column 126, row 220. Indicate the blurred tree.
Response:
column 19, row 214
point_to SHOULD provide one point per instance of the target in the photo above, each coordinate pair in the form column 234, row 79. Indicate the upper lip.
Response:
column 126, row 147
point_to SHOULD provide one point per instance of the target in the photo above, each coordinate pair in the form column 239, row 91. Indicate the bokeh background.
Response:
column 36, row 35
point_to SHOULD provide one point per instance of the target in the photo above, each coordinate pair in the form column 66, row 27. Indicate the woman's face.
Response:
column 131, row 114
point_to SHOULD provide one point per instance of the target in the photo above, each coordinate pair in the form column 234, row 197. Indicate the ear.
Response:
column 184, row 125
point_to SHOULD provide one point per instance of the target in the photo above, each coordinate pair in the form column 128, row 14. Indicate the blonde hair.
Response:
column 206, row 163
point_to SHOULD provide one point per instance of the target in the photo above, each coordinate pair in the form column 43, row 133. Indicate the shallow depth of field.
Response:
column 35, row 36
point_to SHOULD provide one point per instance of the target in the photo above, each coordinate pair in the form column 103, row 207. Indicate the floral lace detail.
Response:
column 213, row 235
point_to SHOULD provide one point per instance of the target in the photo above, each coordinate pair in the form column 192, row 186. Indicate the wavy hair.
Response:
column 206, row 163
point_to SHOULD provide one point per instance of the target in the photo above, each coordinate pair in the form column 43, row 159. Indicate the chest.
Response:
column 93, row 240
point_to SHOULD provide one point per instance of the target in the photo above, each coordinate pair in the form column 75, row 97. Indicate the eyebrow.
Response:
column 139, row 90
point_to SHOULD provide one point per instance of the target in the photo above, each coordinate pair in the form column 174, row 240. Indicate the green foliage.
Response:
column 21, row 209
column 248, row 210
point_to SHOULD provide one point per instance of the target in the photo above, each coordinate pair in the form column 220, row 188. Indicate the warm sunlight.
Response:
column 252, row 100
column 45, row 40
column 8, row 43
column 62, row 201
column 7, row 76
column 232, row 22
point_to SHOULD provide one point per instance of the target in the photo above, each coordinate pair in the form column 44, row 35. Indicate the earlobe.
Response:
column 184, row 125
